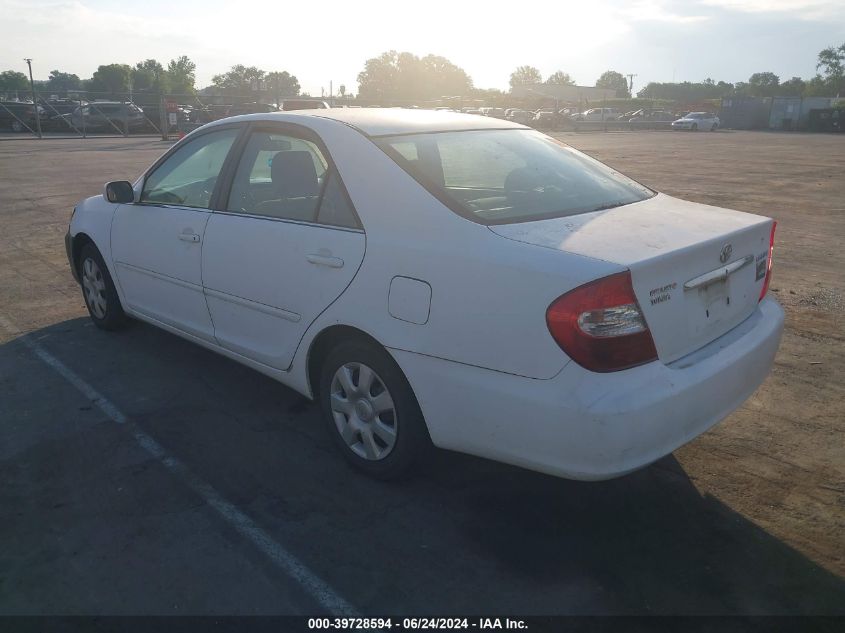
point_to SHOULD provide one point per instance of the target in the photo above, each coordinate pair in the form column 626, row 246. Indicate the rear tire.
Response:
column 17, row 126
column 99, row 291
column 371, row 412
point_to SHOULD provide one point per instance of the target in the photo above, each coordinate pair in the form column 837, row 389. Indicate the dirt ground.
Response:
column 748, row 518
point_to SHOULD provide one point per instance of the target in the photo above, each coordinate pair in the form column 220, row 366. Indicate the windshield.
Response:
column 505, row 176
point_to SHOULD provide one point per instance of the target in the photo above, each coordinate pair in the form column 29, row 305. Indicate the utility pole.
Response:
column 34, row 97
column 631, row 83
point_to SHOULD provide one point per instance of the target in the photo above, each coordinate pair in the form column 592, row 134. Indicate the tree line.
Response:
column 403, row 76
column 178, row 77
column 152, row 77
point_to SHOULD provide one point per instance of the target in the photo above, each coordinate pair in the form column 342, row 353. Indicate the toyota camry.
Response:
column 442, row 278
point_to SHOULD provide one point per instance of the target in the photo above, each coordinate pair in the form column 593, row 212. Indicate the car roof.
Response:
column 393, row 121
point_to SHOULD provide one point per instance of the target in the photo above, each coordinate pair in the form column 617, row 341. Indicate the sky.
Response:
column 328, row 40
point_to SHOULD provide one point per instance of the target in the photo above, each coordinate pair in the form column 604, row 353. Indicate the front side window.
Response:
column 504, row 176
column 188, row 177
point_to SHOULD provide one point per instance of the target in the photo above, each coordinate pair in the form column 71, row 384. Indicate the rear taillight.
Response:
column 600, row 325
column 769, row 262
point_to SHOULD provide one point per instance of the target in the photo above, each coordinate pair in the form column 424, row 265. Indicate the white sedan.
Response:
column 697, row 121
column 434, row 277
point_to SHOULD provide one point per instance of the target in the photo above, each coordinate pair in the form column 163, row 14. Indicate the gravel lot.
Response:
column 747, row 519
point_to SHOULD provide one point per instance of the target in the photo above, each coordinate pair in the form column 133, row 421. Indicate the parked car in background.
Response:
column 695, row 121
column 303, row 104
column 521, row 116
column 55, row 107
column 597, row 114
column 497, row 113
column 545, row 118
column 108, row 116
column 651, row 115
column 251, row 108
column 458, row 280
column 17, row 116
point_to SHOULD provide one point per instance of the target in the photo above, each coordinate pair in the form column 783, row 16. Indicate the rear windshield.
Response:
column 506, row 176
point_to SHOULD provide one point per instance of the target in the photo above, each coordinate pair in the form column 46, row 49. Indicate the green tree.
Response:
column 525, row 75
column 491, row 96
column 404, row 76
column 443, row 78
column 12, row 80
column 110, row 80
column 62, row 82
column 762, row 85
column 239, row 80
column 148, row 76
column 793, row 87
column 831, row 62
column 378, row 80
column 181, row 76
column 281, row 84
column 686, row 92
column 613, row 80
column 560, row 78
column 818, row 86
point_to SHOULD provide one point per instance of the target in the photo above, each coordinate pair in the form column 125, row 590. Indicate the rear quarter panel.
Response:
column 489, row 294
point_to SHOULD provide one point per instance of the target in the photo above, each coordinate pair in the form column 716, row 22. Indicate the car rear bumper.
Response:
column 584, row 425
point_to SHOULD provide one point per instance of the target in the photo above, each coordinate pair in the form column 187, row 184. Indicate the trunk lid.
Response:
column 697, row 270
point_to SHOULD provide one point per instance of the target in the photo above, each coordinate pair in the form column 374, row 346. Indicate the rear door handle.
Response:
column 325, row 260
column 189, row 237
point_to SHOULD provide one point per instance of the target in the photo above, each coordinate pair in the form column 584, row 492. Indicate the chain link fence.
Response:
column 85, row 114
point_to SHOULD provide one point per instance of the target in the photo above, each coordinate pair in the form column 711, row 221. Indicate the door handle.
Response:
column 189, row 237
column 325, row 260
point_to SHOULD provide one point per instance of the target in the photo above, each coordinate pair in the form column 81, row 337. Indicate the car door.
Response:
column 285, row 243
column 157, row 242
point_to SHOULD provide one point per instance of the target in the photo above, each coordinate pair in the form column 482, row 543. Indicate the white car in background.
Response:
column 520, row 116
column 597, row 114
column 433, row 277
column 697, row 121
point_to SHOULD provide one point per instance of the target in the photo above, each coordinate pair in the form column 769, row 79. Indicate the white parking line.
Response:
column 282, row 558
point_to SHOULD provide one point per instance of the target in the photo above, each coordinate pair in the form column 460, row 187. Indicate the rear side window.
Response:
column 505, row 176
column 289, row 178
column 188, row 176
column 335, row 208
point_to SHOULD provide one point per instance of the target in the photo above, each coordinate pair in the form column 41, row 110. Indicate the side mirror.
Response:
column 119, row 191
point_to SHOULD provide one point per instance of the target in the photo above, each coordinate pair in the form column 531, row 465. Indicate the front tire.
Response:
column 98, row 290
column 17, row 126
column 370, row 411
